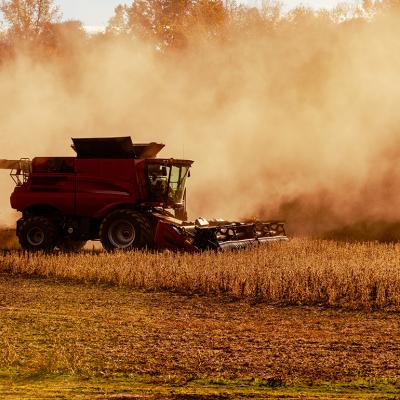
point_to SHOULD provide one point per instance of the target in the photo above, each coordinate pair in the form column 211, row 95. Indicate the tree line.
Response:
column 169, row 24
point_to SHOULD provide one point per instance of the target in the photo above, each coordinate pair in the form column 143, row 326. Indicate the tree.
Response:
column 169, row 23
column 118, row 23
column 64, row 37
column 162, row 20
column 29, row 19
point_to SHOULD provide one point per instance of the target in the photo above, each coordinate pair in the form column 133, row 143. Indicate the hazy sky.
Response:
column 98, row 12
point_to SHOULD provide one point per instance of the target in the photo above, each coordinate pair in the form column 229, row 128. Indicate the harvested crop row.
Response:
column 349, row 275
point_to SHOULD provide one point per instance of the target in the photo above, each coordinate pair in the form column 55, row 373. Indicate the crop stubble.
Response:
column 302, row 272
column 50, row 326
column 306, row 311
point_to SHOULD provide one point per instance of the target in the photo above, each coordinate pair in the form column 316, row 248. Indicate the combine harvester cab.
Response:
column 121, row 194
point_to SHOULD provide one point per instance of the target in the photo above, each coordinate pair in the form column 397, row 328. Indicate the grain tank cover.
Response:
column 148, row 150
column 114, row 147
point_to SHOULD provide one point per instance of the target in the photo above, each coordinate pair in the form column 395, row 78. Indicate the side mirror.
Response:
column 189, row 174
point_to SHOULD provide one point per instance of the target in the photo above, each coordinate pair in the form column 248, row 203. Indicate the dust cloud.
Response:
column 300, row 123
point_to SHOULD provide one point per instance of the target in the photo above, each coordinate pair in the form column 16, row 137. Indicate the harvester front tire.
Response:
column 126, row 230
column 71, row 246
column 37, row 233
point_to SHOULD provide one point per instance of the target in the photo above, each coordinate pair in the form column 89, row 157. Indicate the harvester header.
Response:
column 122, row 194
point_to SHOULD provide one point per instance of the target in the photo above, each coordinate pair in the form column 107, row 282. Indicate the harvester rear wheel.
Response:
column 37, row 233
column 126, row 230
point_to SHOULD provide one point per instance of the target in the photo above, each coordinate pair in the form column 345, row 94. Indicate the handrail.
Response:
column 19, row 169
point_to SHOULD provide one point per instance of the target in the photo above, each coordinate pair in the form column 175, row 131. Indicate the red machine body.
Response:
column 93, row 195
column 82, row 187
column 121, row 194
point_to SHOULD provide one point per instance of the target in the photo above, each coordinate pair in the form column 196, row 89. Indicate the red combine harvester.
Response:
column 121, row 194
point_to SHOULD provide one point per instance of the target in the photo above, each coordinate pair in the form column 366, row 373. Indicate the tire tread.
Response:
column 143, row 222
column 44, row 222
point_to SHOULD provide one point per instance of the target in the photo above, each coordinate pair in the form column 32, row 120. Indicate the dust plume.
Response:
column 298, row 121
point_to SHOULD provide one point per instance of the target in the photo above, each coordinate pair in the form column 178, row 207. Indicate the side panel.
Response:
column 104, row 183
column 51, row 184
column 168, row 236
